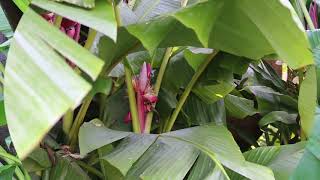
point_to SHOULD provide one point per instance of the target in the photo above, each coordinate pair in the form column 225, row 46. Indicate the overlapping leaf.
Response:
column 239, row 107
column 281, row 159
column 201, row 113
column 280, row 116
column 205, row 168
column 310, row 161
column 145, row 10
column 242, row 28
column 66, row 168
column 270, row 100
column 168, row 155
column 35, row 57
column 100, row 18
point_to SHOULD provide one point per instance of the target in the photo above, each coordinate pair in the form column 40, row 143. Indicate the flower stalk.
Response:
column 86, row 102
column 145, row 96
column 132, row 101
column 157, row 86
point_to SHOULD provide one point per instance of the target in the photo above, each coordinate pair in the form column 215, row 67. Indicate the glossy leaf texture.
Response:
column 205, row 168
column 283, row 160
column 169, row 155
column 257, row 33
column 310, row 161
column 37, row 55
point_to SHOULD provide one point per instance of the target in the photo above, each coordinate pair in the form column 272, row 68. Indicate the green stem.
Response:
column 79, row 120
column 157, row 86
column 306, row 14
column 2, row 68
column 26, row 174
column 72, row 136
column 132, row 101
column 45, row 174
column 117, row 14
column 312, row 27
column 160, row 77
column 19, row 174
column 102, row 165
column 8, row 158
column 67, row 121
column 91, row 36
column 187, row 91
column 1, row 80
column 162, row 70
column 90, row 169
column 107, row 69
column 131, row 92
column 57, row 21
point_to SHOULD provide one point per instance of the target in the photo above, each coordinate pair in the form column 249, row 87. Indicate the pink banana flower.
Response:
column 71, row 28
column 145, row 95
column 313, row 11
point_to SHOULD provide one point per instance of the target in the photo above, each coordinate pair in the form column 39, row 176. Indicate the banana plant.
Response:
column 149, row 89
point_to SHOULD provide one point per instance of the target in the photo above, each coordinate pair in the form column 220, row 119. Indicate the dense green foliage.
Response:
column 164, row 89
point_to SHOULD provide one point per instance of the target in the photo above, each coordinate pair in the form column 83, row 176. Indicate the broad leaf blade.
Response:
column 280, row 116
column 239, row 107
column 165, row 159
column 83, row 3
column 260, row 30
column 217, row 142
column 129, row 151
column 100, row 18
column 66, row 168
column 32, row 106
column 281, row 159
column 296, row 52
column 308, row 101
column 201, row 113
column 310, row 161
column 90, row 132
column 205, row 169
